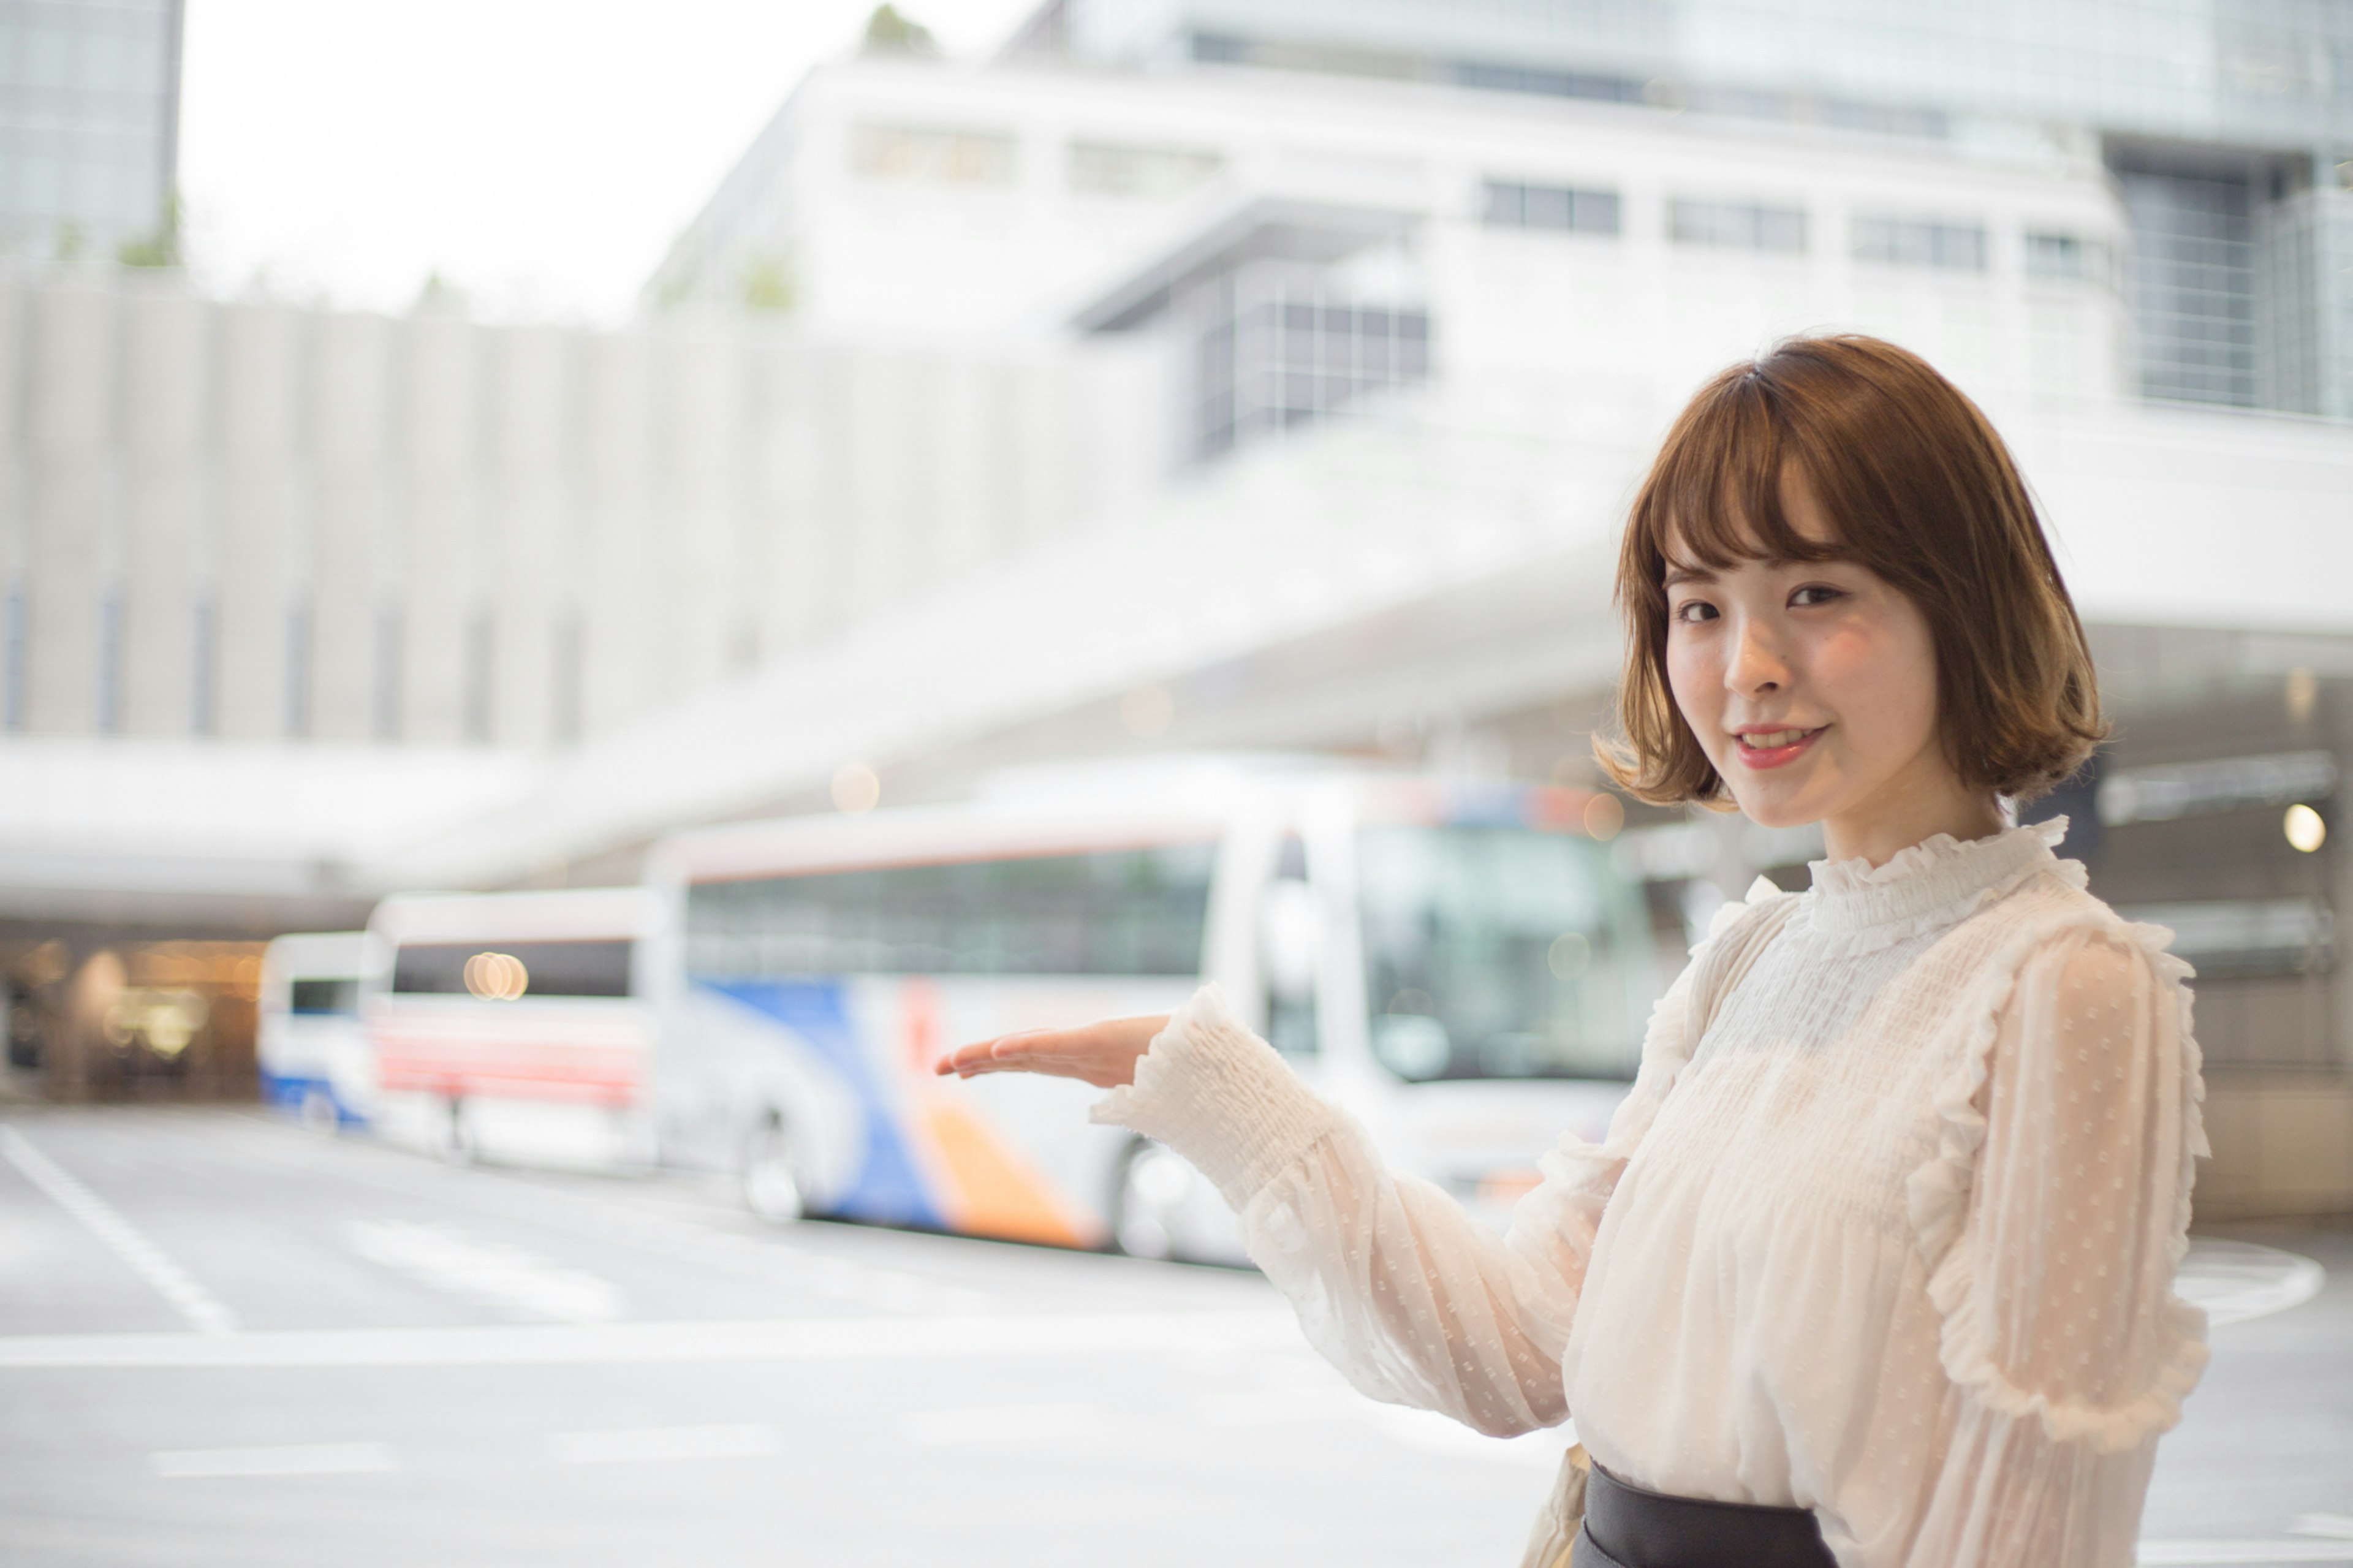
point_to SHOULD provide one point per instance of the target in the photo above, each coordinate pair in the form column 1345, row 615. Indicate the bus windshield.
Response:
column 1501, row 953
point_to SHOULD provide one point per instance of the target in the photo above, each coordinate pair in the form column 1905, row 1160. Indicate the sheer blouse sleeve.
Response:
column 1413, row 1300
column 2068, row 1351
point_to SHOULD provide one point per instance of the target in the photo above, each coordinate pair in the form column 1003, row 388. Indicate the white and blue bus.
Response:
column 519, row 1026
column 1464, row 967
column 313, row 1054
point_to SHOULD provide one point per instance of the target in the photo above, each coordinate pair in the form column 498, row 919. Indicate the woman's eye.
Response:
column 1692, row 611
column 1816, row 594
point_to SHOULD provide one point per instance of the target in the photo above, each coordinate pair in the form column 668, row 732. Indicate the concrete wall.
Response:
column 261, row 522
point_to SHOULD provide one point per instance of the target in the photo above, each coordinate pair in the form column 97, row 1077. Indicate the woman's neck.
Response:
column 1907, row 810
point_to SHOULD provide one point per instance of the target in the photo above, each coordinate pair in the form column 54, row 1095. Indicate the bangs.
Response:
column 1714, row 498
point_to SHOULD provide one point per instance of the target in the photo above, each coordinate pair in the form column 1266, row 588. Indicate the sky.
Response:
column 537, row 155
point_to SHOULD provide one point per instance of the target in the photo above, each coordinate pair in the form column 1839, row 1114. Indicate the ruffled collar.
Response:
column 1933, row 884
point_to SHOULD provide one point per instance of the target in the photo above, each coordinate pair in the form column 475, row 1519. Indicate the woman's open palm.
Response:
column 1103, row 1054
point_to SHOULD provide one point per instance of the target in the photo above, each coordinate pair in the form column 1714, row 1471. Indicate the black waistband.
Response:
column 1627, row 1526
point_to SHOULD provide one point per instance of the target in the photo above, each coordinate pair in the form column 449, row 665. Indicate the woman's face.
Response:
column 1811, row 684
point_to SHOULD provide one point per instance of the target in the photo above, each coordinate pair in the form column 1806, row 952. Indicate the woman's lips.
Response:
column 1778, row 755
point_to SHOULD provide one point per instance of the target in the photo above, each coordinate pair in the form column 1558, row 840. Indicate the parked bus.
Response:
column 515, row 1026
column 313, row 1056
column 1462, row 967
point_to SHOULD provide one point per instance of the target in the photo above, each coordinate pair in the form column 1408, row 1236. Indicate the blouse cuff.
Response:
column 1220, row 1097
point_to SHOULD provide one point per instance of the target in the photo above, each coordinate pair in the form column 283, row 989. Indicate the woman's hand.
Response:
column 1102, row 1053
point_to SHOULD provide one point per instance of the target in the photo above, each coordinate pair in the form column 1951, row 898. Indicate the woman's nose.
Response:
column 1756, row 662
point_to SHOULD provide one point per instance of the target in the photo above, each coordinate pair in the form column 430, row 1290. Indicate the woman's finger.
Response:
column 1006, row 1053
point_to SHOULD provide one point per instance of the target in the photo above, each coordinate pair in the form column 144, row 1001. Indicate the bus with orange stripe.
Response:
column 1464, row 966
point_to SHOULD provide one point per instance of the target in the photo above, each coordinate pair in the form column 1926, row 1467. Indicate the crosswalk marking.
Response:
column 758, row 1340
column 656, row 1444
column 199, row 1306
column 305, row 1459
column 446, row 1258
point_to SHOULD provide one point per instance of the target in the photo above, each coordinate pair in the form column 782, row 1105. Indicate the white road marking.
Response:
column 308, row 1460
column 807, row 1339
column 2236, row 1280
column 2214, row 1554
column 202, row 1309
column 1008, row 1423
column 653, row 1444
column 682, row 1232
column 448, row 1259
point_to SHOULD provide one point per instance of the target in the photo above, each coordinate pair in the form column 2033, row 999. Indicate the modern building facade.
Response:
column 89, row 121
column 2226, row 124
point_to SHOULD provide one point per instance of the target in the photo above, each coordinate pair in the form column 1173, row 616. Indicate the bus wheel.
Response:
column 318, row 1112
column 772, row 1187
column 1147, row 1199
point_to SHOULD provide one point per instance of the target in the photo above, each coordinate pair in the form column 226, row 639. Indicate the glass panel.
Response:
column 1497, row 953
column 1124, row 912
column 1738, row 225
column 549, row 969
column 324, row 997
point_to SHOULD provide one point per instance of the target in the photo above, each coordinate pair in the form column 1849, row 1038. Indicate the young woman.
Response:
column 1876, row 1265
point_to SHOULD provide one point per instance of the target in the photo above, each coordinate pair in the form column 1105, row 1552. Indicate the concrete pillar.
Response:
column 1038, row 447
column 71, row 380
column 349, row 415
column 437, row 458
column 613, row 545
column 255, row 396
column 879, row 478
column 528, row 385
column 968, row 505
column 163, row 355
column 775, row 463
column 698, row 490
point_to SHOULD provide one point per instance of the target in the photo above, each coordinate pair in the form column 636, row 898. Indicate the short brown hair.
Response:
column 1922, row 491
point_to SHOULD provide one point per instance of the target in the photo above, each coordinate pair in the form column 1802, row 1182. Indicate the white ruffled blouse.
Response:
column 1891, row 1236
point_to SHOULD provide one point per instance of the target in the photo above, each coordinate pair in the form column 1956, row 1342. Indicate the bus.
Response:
column 313, row 1056
column 516, row 1026
column 1464, row 967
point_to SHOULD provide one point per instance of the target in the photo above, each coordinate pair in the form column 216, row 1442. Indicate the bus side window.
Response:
column 1290, row 940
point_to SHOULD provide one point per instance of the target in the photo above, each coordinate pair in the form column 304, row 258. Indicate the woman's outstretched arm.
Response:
column 1413, row 1300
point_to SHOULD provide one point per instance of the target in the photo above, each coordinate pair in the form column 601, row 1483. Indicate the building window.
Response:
column 912, row 154
column 1739, row 225
column 1919, row 242
column 2065, row 258
column 1107, row 168
column 1513, row 204
column 1489, row 78
column 1278, row 346
column 2193, row 283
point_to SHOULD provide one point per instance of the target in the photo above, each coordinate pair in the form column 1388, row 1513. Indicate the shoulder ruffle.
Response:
column 1936, row 1198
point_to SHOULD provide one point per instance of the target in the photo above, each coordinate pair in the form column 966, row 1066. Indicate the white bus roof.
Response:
column 316, row 954
column 572, row 914
column 1083, row 807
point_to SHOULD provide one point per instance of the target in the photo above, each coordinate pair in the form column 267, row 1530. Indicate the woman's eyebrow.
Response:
column 1680, row 574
